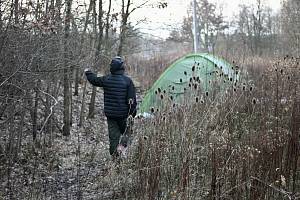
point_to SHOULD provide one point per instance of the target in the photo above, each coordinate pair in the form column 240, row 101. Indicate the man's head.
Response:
column 117, row 64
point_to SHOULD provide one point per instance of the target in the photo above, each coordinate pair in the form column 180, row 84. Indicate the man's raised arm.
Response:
column 93, row 79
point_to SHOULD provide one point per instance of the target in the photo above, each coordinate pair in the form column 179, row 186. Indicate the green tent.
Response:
column 190, row 76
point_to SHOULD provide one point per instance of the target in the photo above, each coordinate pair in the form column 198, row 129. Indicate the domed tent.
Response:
column 192, row 75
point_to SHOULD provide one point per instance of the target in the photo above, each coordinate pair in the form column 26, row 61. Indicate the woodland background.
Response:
column 242, row 144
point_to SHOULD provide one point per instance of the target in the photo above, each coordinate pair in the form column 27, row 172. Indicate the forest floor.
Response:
column 75, row 167
column 86, row 168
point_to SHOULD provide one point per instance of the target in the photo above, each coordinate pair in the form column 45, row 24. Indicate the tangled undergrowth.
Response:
column 239, row 144
column 242, row 143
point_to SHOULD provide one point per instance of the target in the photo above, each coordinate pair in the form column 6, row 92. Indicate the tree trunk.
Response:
column 3, row 106
column 37, row 11
column 94, row 90
column 10, row 159
column 92, row 103
column 52, row 121
column 97, row 55
column 71, row 99
column 100, row 27
column 20, row 132
column 11, row 131
column 1, row 23
column 66, row 127
column 125, row 15
column 48, row 127
column 76, row 85
column 77, row 74
column 67, row 103
column 16, row 11
column 2, row 153
column 47, row 6
column 35, row 114
column 81, row 117
column 107, row 25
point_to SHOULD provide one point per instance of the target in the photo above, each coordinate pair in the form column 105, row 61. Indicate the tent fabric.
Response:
column 188, row 75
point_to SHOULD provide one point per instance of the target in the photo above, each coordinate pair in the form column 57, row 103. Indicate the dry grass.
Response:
column 238, row 145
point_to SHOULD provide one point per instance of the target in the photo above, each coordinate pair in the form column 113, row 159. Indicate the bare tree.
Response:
column 16, row 11
column 211, row 24
column 290, row 17
column 34, row 114
column 1, row 22
column 86, row 23
column 125, row 14
column 67, row 103
column 253, row 24
column 98, row 43
column 107, row 26
column 258, row 27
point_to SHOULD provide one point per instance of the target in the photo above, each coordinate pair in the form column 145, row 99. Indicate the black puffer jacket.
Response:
column 118, row 90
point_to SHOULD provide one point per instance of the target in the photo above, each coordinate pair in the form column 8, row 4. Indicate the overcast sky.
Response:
column 160, row 21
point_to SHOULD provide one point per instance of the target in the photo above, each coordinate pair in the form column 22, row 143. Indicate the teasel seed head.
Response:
column 152, row 109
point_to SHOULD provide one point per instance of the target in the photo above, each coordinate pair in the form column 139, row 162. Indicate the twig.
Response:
column 51, row 110
column 286, row 193
column 237, row 186
column 11, row 76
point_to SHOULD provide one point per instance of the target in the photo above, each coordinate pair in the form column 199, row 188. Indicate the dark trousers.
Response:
column 117, row 131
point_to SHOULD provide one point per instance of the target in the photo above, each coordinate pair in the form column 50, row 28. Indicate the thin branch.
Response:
column 11, row 76
column 51, row 110
column 139, row 6
column 282, row 191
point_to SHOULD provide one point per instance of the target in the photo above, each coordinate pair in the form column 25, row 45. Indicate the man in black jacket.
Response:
column 119, row 101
